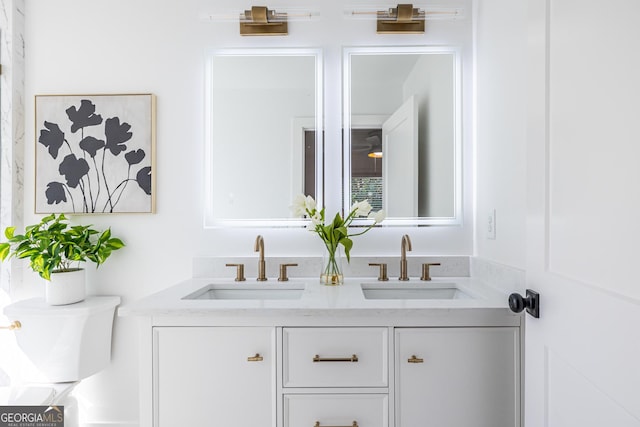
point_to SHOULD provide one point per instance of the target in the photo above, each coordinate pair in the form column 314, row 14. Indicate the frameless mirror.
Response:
column 263, row 145
column 402, row 150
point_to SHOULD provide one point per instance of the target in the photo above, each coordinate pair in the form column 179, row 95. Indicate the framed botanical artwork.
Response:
column 95, row 153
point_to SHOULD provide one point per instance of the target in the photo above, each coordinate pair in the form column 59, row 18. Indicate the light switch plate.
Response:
column 491, row 225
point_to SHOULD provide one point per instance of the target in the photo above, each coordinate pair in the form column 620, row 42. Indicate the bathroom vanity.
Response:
column 367, row 354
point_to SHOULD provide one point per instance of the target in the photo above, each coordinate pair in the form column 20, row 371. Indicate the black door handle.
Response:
column 531, row 302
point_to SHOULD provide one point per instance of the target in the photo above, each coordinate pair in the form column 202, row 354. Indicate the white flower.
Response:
column 309, row 203
column 378, row 217
column 299, row 205
column 362, row 208
column 316, row 219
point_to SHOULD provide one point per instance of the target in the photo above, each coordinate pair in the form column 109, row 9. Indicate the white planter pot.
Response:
column 66, row 287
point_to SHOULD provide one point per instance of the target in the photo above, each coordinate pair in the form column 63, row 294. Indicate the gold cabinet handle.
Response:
column 353, row 358
column 256, row 358
column 355, row 424
column 13, row 325
column 414, row 359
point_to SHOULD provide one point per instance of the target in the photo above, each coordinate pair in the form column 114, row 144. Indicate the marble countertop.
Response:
column 334, row 304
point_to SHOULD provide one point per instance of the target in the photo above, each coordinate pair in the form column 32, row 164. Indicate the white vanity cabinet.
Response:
column 331, row 358
column 214, row 376
column 372, row 376
column 457, row 377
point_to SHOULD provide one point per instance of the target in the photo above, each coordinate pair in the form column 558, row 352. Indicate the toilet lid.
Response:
column 26, row 396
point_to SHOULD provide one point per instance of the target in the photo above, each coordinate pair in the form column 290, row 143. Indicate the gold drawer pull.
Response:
column 353, row 358
column 414, row 359
column 355, row 424
column 14, row 325
column 256, row 358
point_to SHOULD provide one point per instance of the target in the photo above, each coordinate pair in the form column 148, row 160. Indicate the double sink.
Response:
column 392, row 290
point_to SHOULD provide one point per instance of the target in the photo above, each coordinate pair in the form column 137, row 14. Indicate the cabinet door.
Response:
column 214, row 376
column 457, row 377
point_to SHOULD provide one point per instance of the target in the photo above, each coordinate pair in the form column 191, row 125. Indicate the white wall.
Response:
column 501, row 46
column 134, row 46
column 255, row 101
column 432, row 80
column 375, row 88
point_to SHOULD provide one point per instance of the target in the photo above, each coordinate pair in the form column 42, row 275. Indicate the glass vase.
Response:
column 331, row 274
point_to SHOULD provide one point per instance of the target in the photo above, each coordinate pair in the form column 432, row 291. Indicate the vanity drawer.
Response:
column 343, row 410
column 335, row 357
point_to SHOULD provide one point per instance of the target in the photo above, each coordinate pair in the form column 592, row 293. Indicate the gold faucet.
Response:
column 259, row 247
column 404, row 247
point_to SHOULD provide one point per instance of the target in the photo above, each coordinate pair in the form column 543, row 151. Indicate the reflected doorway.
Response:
column 309, row 167
column 366, row 166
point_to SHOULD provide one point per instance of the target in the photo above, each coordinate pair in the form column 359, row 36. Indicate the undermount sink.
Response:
column 404, row 290
column 248, row 292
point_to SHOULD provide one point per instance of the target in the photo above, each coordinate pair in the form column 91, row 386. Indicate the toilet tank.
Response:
column 68, row 342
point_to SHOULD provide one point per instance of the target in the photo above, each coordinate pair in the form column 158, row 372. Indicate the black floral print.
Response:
column 117, row 135
column 134, row 157
column 73, row 169
column 52, row 138
column 83, row 116
column 143, row 177
column 83, row 165
column 91, row 145
column 55, row 193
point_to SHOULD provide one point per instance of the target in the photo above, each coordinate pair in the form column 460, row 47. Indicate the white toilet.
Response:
column 65, row 344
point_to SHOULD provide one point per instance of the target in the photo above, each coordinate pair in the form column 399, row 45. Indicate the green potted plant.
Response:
column 55, row 250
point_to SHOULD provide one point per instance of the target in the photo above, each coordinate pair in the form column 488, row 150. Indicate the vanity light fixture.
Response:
column 375, row 154
column 403, row 18
column 257, row 15
column 260, row 21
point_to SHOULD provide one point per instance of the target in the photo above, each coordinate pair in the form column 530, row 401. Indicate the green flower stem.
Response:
column 333, row 234
column 332, row 275
column 332, row 264
column 369, row 227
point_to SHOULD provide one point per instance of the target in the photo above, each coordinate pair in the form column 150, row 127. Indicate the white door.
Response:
column 583, row 353
column 400, row 161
